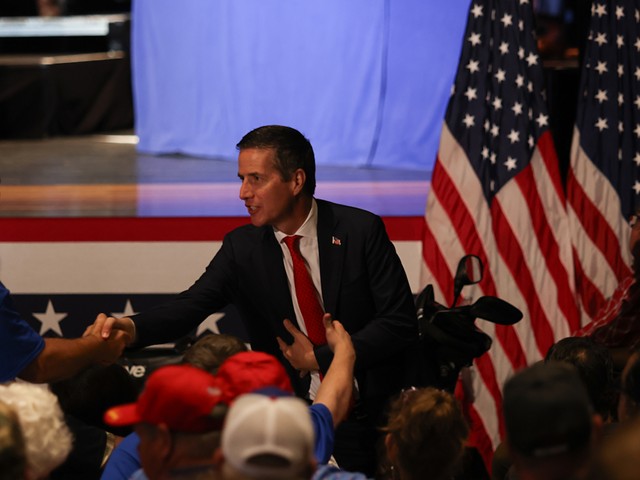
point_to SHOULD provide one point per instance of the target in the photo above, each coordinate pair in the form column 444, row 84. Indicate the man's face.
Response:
column 268, row 197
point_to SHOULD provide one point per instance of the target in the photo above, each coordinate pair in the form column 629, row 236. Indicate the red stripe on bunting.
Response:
column 155, row 229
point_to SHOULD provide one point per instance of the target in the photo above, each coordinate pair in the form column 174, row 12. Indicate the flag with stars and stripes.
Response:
column 603, row 182
column 496, row 192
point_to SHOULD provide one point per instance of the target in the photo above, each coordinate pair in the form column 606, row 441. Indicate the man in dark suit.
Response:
column 356, row 274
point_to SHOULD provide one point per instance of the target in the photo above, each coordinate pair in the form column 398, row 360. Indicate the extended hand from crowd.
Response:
column 338, row 339
column 116, row 331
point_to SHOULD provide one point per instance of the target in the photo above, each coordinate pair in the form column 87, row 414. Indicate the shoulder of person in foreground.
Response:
column 124, row 459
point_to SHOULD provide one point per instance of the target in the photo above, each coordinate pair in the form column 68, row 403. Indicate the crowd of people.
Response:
column 328, row 388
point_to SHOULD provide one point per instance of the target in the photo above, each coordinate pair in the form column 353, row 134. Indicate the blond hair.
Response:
column 13, row 463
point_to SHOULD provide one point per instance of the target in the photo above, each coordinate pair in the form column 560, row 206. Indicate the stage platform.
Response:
column 104, row 176
column 89, row 225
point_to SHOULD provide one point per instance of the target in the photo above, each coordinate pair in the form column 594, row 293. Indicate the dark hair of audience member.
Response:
column 13, row 459
column 90, row 393
column 595, row 367
column 631, row 383
column 207, row 354
column 210, row 351
column 429, row 432
column 630, row 386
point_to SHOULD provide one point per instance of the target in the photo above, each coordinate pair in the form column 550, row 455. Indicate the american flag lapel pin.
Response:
column 336, row 241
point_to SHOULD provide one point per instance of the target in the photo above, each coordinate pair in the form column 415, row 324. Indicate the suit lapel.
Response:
column 331, row 248
column 276, row 284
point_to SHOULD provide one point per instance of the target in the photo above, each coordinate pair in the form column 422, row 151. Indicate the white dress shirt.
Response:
column 308, row 243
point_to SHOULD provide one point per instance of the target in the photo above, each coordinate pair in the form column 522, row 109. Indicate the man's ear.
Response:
column 300, row 179
column 311, row 468
column 391, row 448
column 597, row 430
column 218, row 457
column 164, row 442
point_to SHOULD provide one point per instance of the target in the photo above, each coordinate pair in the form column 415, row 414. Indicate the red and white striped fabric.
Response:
column 599, row 231
column 496, row 192
column 603, row 186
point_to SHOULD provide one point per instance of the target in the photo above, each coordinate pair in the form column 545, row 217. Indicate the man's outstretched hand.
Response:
column 104, row 327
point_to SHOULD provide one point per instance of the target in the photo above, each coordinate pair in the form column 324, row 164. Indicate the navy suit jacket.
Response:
column 363, row 285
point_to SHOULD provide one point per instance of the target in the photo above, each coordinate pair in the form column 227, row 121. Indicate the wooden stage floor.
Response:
column 104, row 176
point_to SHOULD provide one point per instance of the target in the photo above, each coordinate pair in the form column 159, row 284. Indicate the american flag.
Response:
column 496, row 192
column 603, row 183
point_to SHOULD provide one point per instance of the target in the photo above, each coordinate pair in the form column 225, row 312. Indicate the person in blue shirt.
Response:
column 26, row 355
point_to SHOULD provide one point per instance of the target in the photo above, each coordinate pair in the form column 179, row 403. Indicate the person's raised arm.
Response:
column 336, row 389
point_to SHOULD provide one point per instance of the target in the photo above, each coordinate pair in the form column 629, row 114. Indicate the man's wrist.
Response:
column 344, row 350
column 126, row 325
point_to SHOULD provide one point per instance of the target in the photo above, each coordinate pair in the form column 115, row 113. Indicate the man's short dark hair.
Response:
column 547, row 411
column 630, row 382
column 594, row 364
column 211, row 350
column 292, row 150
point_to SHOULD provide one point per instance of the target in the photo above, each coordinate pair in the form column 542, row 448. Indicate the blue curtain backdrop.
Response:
column 366, row 81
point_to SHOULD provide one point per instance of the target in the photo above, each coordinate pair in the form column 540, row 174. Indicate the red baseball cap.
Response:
column 246, row 372
column 179, row 396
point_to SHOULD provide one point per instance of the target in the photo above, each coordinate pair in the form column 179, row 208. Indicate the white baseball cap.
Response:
column 268, row 437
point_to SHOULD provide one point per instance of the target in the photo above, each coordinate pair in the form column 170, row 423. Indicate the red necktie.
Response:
column 306, row 294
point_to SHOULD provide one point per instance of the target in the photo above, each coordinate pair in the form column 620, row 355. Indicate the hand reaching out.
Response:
column 338, row 339
column 104, row 326
column 118, row 336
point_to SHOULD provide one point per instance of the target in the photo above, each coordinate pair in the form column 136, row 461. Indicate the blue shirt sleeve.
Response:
column 19, row 343
column 323, row 428
column 124, row 460
column 139, row 475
